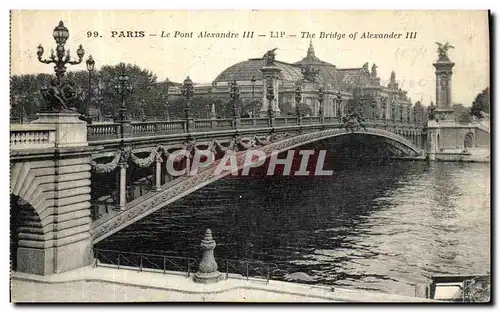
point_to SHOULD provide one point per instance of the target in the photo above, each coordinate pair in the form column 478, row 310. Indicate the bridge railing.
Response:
column 261, row 122
column 186, row 265
column 144, row 261
column 172, row 126
column 108, row 130
column 204, row 125
column 30, row 136
column 247, row 123
column 247, row 268
column 331, row 119
column 103, row 130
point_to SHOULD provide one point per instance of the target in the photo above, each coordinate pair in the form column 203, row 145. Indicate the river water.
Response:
column 376, row 227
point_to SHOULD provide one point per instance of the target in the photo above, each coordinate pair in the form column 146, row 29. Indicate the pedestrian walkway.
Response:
column 106, row 284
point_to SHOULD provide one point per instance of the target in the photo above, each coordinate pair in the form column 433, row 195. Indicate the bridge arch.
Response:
column 182, row 186
column 26, row 232
column 50, row 206
column 32, row 184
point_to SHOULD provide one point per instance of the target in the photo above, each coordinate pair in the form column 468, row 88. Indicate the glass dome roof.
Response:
column 244, row 71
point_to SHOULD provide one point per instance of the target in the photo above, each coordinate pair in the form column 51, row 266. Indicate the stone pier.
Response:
column 50, row 194
column 447, row 139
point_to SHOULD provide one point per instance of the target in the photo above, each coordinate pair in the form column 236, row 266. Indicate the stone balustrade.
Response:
column 103, row 131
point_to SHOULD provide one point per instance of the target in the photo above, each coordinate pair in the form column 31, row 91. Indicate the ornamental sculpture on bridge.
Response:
column 60, row 96
column 270, row 56
column 353, row 121
column 365, row 68
column 374, row 71
column 443, row 51
column 393, row 77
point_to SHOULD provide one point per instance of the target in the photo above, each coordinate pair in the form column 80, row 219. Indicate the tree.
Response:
column 481, row 103
column 461, row 113
column 25, row 91
column 465, row 116
column 142, row 81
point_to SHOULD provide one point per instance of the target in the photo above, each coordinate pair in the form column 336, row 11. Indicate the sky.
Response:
column 204, row 58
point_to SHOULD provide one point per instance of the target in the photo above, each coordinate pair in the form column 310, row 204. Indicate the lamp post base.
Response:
column 208, row 278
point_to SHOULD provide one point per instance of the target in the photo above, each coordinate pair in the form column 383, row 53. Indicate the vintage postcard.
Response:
column 250, row 156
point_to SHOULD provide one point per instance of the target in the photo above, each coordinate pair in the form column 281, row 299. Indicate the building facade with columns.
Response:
column 339, row 85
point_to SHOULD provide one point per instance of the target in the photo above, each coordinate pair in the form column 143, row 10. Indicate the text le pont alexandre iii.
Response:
column 251, row 34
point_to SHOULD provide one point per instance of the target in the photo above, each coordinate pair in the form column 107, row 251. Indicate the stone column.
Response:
column 207, row 272
column 54, row 232
column 188, row 163
column 444, row 109
column 122, row 190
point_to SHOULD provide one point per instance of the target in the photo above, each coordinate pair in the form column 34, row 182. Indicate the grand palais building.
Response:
column 339, row 85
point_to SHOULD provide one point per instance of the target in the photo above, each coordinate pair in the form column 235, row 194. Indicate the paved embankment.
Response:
column 103, row 284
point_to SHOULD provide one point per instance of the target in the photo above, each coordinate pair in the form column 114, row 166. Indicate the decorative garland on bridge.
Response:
column 146, row 161
column 123, row 155
column 108, row 167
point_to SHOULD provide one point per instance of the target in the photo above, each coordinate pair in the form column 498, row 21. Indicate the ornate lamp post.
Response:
column 253, row 80
column 338, row 100
column 209, row 105
column 24, row 116
column 270, row 98
column 143, row 113
column 401, row 112
column 165, row 99
column 165, row 105
column 234, row 94
column 374, row 106
column 321, row 99
column 213, row 114
column 298, row 98
column 393, row 109
column 90, row 67
column 123, row 89
column 187, row 91
column 60, row 59
column 99, row 101
column 384, row 107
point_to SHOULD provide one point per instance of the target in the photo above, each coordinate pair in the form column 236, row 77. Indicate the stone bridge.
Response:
column 59, row 167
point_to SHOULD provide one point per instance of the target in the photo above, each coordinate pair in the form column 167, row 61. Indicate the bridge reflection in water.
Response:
column 379, row 226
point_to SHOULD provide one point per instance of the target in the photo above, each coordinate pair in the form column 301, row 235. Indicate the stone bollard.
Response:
column 207, row 272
